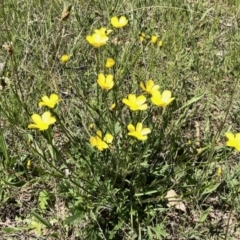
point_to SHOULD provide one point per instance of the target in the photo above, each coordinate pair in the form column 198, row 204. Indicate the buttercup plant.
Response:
column 113, row 154
column 101, row 143
column 139, row 132
column 149, row 87
column 135, row 103
column 99, row 38
column 42, row 122
column 105, row 82
column 119, row 22
column 49, row 101
column 110, row 63
column 162, row 100
column 64, row 58
column 233, row 140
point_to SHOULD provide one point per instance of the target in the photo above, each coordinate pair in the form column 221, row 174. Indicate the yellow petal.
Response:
column 108, row 138
column 131, row 128
column 93, row 141
column 142, row 86
column 36, row 118
column 154, row 39
column 132, row 97
column 145, row 131
column 54, row 97
column 230, row 135
column 139, row 127
column 166, row 95
column 47, row 118
column 141, row 99
column 32, row 126
column 149, row 84
column 99, row 134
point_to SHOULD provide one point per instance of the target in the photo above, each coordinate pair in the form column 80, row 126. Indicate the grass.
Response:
column 55, row 185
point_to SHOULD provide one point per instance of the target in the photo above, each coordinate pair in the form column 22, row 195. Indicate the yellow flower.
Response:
column 103, row 31
column 162, row 100
column 139, row 132
column 119, row 23
column 233, row 140
column 64, row 59
column 135, row 103
column 154, row 39
column 110, row 62
column 112, row 106
column 219, row 171
column 42, row 122
column 105, row 82
column 142, row 36
column 91, row 125
column 98, row 39
column 160, row 43
column 29, row 164
column 49, row 101
column 149, row 87
column 100, row 143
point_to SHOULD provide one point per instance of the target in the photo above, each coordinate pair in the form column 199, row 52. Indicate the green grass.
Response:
column 71, row 190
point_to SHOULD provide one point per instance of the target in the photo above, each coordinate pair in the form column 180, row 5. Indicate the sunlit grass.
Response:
column 114, row 117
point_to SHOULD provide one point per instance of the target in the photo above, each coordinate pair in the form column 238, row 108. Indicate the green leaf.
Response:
column 3, row 146
column 10, row 230
column 204, row 215
column 159, row 232
column 191, row 101
column 43, row 199
column 117, row 128
column 211, row 188
column 205, row 13
column 76, row 216
column 16, row 184
column 41, row 219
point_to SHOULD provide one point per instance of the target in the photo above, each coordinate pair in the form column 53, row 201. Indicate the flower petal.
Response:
column 229, row 135
column 131, row 128
column 139, row 127
column 93, row 141
column 141, row 99
column 166, row 95
column 145, row 131
column 108, row 138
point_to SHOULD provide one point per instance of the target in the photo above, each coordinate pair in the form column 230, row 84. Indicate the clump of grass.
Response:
column 111, row 119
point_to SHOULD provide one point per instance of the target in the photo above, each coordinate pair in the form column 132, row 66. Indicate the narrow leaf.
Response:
column 41, row 219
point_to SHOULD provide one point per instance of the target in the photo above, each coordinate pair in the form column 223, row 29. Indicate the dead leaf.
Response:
column 175, row 201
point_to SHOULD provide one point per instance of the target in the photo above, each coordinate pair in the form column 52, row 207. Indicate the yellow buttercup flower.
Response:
column 135, row 103
column 29, row 164
column 64, row 59
column 98, row 39
column 119, row 22
column 112, row 106
column 160, row 43
column 162, row 100
column 139, row 132
column 110, row 62
column 105, row 82
column 99, row 142
column 49, row 101
column 154, row 39
column 142, row 36
column 149, row 87
column 42, row 122
column 219, row 171
column 233, row 140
